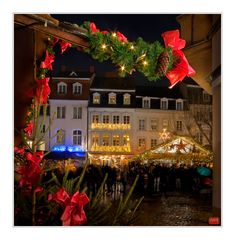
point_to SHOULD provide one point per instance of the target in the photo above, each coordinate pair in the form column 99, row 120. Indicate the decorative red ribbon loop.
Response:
column 74, row 213
column 43, row 90
column 64, row 46
column 181, row 67
column 47, row 63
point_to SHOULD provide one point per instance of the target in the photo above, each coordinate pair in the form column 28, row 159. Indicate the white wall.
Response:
column 69, row 124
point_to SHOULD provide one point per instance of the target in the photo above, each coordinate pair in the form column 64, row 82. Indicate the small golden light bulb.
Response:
column 122, row 68
column 103, row 46
column 114, row 34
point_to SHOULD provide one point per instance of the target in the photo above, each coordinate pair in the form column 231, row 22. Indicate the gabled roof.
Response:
column 73, row 74
column 113, row 83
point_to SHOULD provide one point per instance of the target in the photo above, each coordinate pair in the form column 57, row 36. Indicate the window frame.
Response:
column 112, row 96
column 62, row 84
column 74, row 88
column 77, row 136
column 164, row 100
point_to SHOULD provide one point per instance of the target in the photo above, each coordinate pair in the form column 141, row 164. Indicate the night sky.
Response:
column 148, row 26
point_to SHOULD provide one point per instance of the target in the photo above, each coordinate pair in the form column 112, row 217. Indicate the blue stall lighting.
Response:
column 69, row 149
column 59, row 149
column 80, row 154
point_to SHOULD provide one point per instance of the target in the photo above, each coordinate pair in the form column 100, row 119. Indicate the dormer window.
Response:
column 77, row 88
column 62, row 88
column 206, row 97
column 126, row 99
column 96, row 98
column 112, row 98
column 179, row 104
column 164, row 103
column 146, row 102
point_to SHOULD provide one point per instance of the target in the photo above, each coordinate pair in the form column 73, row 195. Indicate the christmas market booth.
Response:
column 179, row 149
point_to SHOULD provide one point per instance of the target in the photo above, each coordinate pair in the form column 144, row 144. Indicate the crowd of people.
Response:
column 154, row 178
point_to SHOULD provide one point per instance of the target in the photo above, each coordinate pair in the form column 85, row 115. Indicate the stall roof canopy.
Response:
column 178, row 148
column 180, row 144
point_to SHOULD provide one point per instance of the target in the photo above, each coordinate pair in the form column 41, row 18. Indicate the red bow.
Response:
column 19, row 150
column 64, row 46
column 47, row 63
column 29, row 129
column 181, row 67
column 74, row 213
column 43, row 90
column 31, row 172
column 121, row 37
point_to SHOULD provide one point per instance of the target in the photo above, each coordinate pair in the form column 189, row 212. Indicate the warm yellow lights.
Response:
column 110, row 126
column 125, row 148
column 122, row 68
column 103, row 46
column 132, row 47
column 145, row 63
column 114, row 35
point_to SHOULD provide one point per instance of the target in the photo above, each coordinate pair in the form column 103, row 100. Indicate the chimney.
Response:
column 111, row 74
column 91, row 69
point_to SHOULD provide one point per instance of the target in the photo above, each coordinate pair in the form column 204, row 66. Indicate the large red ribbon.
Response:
column 31, row 171
column 43, row 90
column 74, row 213
column 64, row 45
column 181, row 67
column 47, row 63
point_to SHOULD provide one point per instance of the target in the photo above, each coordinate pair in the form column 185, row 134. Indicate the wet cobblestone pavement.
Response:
column 175, row 209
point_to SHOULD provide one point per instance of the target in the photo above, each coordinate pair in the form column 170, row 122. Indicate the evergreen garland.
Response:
column 128, row 56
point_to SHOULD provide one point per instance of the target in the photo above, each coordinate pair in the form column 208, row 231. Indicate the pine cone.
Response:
column 163, row 63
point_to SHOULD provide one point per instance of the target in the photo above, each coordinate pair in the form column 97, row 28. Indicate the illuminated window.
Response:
column 164, row 103
column 60, row 137
column 96, row 98
column 105, row 118
column 62, row 88
column 126, row 139
column 146, row 102
column 77, row 88
column 126, row 99
column 77, row 137
column 116, row 119
column 142, row 142
column 95, row 119
column 116, row 140
column 126, row 119
column 141, row 124
column 153, row 142
column 153, row 124
column 112, row 98
column 95, row 140
column 105, row 140
column 77, row 112
column 179, row 125
column 60, row 112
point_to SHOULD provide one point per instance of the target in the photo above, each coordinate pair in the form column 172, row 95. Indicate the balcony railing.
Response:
column 111, row 126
